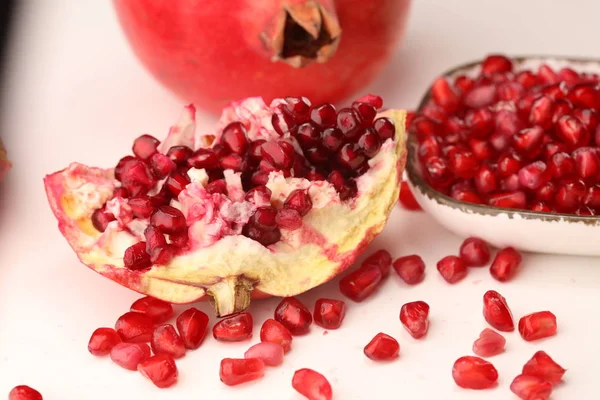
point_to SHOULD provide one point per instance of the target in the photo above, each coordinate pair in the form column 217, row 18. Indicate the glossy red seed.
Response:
column 411, row 269
column 444, row 95
column 288, row 218
column 534, row 175
column 259, row 195
column 561, row 165
column 537, row 326
column 466, row 196
column 24, row 392
column 361, row 283
column 540, row 206
column 169, row 220
column 308, row 135
column 294, row 315
column 234, row 138
column 234, row 162
column 369, row 142
column 480, row 96
column 592, row 197
column 137, row 177
column 332, row 139
column 496, row 63
column 179, row 154
column 121, row 192
column 162, row 255
column 452, row 268
column 165, row 340
column 561, row 107
column 588, row 117
column 159, row 311
column 299, row 107
column 299, row 200
column 349, row 122
column 569, row 76
column 134, row 327
column 489, row 343
column 474, row 373
column 464, row 83
column 351, row 157
column 264, row 237
column 569, row 196
column 381, row 259
column 366, row 112
column 275, row 332
column 507, row 123
column 508, row 164
column 160, row 369
column 542, row 111
column 254, row 154
column 510, row 183
column 283, row 121
column 541, row 365
column 407, row 199
column 382, row 348
column 496, row 312
column 235, row 328
column 270, row 353
column 136, row 257
column 312, row 385
column 510, row 91
column 429, row 147
column 130, row 355
column 463, row 164
column 584, row 95
column 264, row 218
column 141, row 206
column 145, row 146
column 485, row 180
column 176, row 183
column 373, row 100
column 587, row 162
column 102, row 341
column 572, row 131
column 218, row 186
column 547, row 75
column 528, row 140
column 515, row 199
column 415, row 318
column 526, row 78
column 475, row 252
column 385, row 128
column 329, row 313
column 237, row 371
column 154, row 238
column 528, row 387
column 481, row 149
column 179, row 240
column 101, row 218
column 505, row 264
column 277, row 154
column 324, row 116
column 192, row 325
column 203, row 159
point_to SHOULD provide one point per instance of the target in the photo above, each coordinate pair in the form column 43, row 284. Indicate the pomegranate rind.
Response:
column 331, row 238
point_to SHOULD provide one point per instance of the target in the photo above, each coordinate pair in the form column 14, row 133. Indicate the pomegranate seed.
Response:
column 312, row 385
column 505, row 264
column 293, row 315
column 382, row 259
column 160, row 369
column 541, row 365
column 423, row 127
column 569, row 76
column 348, row 122
column 234, row 162
column 101, row 218
column 490, row 343
column 474, row 373
column 508, row 164
column 453, row 269
column 350, row 156
column 283, row 121
column 528, row 387
column 264, row 237
column 385, row 128
column 547, row 75
column 508, row 123
column 429, row 147
column 464, row 83
column 540, row 206
column 161, row 165
column 141, row 206
column 154, row 238
column 278, row 154
column 494, row 64
column 259, row 195
column 515, row 199
column 569, row 196
column 254, row 153
column 179, row 240
column 192, row 325
column 102, row 341
column 369, row 142
column 235, row 328
column 169, row 220
column 129, row 355
column 561, row 107
column 407, row 199
column 528, row 140
column 534, row 175
column 527, row 78
column 329, row 313
column 23, row 392
column 308, row 135
column 288, row 218
column 136, row 258
column 270, row 353
column 588, row 117
column 415, row 318
column 299, row 200
column 537, row 326
column 145, row 146
column 510, row 91
column 176, row 183
column 481, row 96
column 592, row 198
column 366, row 112
column 437, row 170
column 275, row 332
column 481, row 149
column 485, row 180
column 587, row 162
column 382, row 348
column 346, row 189
column 542, row 111
column 371, row 99
column 134, row 327
column 299, row 107
column 444, row 95
column 361, row 283
column 410, row 268
column 234, row 138
column 264, row 218
column 585, row 211
column 332, row 139
column 324, row 116
column 217, row 187
column 463, row 164
column 165, row 340
column 561, row 165
column 121, row 192
column 475, row 252
column 203, row 159
column 466, row 196
column 496, row 312
column 158, row 310
column 235, row 371
column 510, row 183
column 584, row 95
column 572, row 131
column 162, row 255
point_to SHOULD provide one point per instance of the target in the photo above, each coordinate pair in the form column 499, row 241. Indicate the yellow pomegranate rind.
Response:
column 329, row 242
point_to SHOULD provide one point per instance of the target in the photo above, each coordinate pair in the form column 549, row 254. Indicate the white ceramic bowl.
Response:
column 525, row 230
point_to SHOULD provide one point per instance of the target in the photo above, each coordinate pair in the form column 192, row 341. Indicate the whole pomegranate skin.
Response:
column 214, row 52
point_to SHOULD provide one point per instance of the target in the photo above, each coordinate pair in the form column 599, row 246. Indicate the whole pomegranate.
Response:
column 214, row 52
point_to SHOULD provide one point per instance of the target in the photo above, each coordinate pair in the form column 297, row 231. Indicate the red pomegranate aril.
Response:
column 507, row 122
column 141, row 206
column 329, row 313
column 192, row 325
column 366, row 112
column 130, row 355
column 277, row 154
column 569, row 196
column 361, row 283
column 437, row 170
column 234, row 138
column 546, row 192
column 217, row 187
column 264, row 237
column 102, row 341
column 160, row 369
column 537, row 326
column 466, row 196
column 161, row 165
column 561, row 165
column 584, row 95
column 235, row 371
column 382, row 348
column 145, row 146
column 475, row 252
column 24, row 392
column 324, row 116
column 299, row 200
column 485, row 180
column 481, row 149
column 316, row 155
column 540, row 206
column 463, row 164
column 541, row 365
column 496, row 63
column 528, row 387
column 314, row 174
column 264, row 218
column 547, row 75
column 496, row 312
column 235, row 328
column 288, row 218
column 101, row 218
column 382, row 259
column 588, row 117
column 516, row 199
column 542, row 111
column 415, row 318
column 234, row 162
column 592, row 197
column 471, row 372
column 433, row 112
column 154, row 238
column 384, row 128
column 294, row 315
column 371, row 99
column 429, row 147
column 524, row 105
column 270, row 353
column 411, row 269
column 369, row 142
column 159, row 311
column 254, row 153
column 275, row 332
column 169, row 220
column 349, row 122
column 489, row 343
column 464, row 83
column 452, row 268
column 350, row 156
column 557, row 91
column 423, row 127
column 480, row 96
column 162, row 198
column 203, row 159
column 134, row 327
column 444, row 95
column 137, row 177
column 510, row 91
column 534, row 175
column 312, row 385
column 528, row 140
column 179, row 154
column 508, row 164
column 587, row 162
column 283, row 121
column 308, row 135
column 505, row 264
column 259, row 195
column 572, row 131
column 122, row 166
column 526, row 78
column 332, row 139
column 407, row 199
column 176, row 182
column 121, row 192
column 299, row 107
column 179, row 240
column 561, row 107
column 165, row 340
column 510, row 184
column 552, row 148
column 569, row 76
column 136, row 257
column 585, row 211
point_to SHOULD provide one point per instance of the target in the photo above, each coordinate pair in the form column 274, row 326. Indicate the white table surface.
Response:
column 75, row 92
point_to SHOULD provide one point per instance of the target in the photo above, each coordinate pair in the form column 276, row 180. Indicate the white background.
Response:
column 75, row 92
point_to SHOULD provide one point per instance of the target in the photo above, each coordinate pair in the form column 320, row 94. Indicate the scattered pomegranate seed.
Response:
column 329, row 313
column 361, row 283
column 235, row 328
column 275, row 332
column 489, row 343
column 165, row 340
column 474, row 373
column 134, row 327
column 538, row 325
column 294, row 316
column 453, row 269
column 235, row 371
column 505, row 264
column 160, row 369
column 129, row 355
column 103, row 340
column 541, row 365
column 24, row 392
column 528, row 387
column 312, row 385
column 192, row 325
column 407, row 199
column 475, row 252
column 382, row 348
column 415, row 318
column 382, row 259
column 158, row 310
column 496, row 311
column 270, row 353
column 410, row 268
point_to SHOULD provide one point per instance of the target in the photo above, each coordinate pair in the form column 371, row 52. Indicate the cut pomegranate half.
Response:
column 193, row 228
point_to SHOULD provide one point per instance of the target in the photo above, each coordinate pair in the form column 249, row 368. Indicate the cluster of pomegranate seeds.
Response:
column 514, row 138
column 382, row 348
column 23, row 392
column 364, row 281
column 235, row 328
column 312, row 385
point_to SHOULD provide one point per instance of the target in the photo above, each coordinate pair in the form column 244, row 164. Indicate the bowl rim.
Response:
column 483, row 209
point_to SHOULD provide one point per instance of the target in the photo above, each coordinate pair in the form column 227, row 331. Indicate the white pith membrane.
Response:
column 222, row 262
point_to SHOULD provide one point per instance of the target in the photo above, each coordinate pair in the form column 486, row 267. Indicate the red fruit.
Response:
column 463, row 164
column 382, row 259
column 101, row 219
column 542, row 111
column 371, row 99
column 165, row 340
column 475, row 252
column 505, row 264
column 584, row 95
column 528, row 387
column 275, row 332
column 136, row 257
column 102, row 341
column 203, row 159
column 494, row 64
column 141, row 206
column 572, row 131
column 369, row 142
column 481, row 96
column 538, row 325
column 415, row 318
column 569, row 196
column 490, row 343
column 479, row 122
column 179, row 154
column 496, row 311
column 154, row 238
column 423, row 127
column 534, row 175
column 288, row 218
column 485, row 180
column 160, row 369
column 349, row 122
column 324, row 116
column 410, row 268
column 312, row 385
column 234, row 138
column 136, row 177
column 474, row 373
column 515, row 199
column 145, row 146
column 235, row 371
column 192, row 325
column 129, row 355
column 134, row 327
column 587, row 162
column 452, row 268
column 300, row 201
column 169, row 220
column 361, row 283
column 277, row 154
column 382, row 348
column 561, row 165
column 158, row 310
column 384, row 128
column 329, row 313
column 23, row 392
column 547, row 75
column 541, row 365
column 444, row 95
column 332, row 139
column 294, row 315
column 235, row 328
column 527, row 78
column 270, row 353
